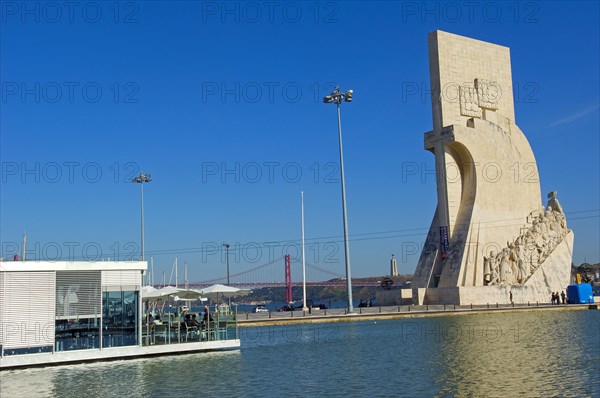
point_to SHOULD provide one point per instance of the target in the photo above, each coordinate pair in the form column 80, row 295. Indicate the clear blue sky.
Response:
column 220, row 102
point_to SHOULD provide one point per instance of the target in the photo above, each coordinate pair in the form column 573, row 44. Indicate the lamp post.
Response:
column 336, row 97
column 226, row 245
column 227, row 259
column 141, row 179
column 304, row 307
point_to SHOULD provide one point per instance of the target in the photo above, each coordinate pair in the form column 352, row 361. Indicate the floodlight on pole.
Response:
column 141, row 179
column 226, row 245
column 304, row 307
column 337, row 97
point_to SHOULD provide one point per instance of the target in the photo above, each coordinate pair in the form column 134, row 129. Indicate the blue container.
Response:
column 580, row 294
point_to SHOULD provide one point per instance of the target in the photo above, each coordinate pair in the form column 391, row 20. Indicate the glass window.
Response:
column 77, row 334
column 120, row 318
column 28, row 350
column 77, row 324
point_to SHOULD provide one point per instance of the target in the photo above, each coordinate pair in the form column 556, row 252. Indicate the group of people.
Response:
column 556, row 298
column 365, row 303
column 189, row 320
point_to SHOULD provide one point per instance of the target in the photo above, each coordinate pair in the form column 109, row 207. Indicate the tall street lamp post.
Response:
column 227, row 259
column 226, row 245
column 141, row 179
column 336, row 97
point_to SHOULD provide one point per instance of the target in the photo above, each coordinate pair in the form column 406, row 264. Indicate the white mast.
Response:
column 152, row 269
column 303, row 260
column 185, row 275
column 24, row 247
column 176, row 278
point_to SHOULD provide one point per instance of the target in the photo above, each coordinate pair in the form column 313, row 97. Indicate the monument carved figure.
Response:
column 548, row 230
column 490, row 231
column 554, row 203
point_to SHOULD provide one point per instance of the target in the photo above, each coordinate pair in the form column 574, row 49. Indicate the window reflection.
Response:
column 119, row 319
column 77, row 319
column 77, row 334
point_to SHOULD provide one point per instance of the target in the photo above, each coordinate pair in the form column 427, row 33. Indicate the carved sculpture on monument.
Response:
column 490, row 233
column 547, row 230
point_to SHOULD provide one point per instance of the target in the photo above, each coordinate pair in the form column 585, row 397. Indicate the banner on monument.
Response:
column 444, row 241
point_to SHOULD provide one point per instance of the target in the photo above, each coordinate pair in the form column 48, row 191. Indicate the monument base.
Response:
column 393, row 297
column 553, row 275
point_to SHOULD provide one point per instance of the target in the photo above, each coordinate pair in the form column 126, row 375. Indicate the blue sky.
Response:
column 220, row 102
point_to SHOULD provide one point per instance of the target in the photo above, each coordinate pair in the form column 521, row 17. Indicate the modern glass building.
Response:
column 60, row 312
column 64, row 306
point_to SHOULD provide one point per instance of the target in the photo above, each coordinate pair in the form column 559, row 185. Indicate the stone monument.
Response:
column 393, row 267
column 491, row 238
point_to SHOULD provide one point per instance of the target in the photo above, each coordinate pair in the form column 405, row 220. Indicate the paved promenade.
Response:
column 392, row 312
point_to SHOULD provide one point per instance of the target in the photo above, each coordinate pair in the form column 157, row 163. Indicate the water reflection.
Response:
column 170, row 376
column 518, row 354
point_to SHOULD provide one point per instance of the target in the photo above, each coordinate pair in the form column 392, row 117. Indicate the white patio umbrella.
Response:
column 148, row 290
column 161, row 294
column 214, row 291
column 188, row 294
column 169, row 293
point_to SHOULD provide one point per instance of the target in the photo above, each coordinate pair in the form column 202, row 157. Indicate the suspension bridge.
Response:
column 283, row 272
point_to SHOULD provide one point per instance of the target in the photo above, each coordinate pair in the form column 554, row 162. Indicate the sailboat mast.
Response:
column 152, row 269
column 185, row 275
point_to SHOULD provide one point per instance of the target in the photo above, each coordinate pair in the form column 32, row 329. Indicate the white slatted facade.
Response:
column 116, row 281
column 78, row 294
column 27, row 309
column 3, row 317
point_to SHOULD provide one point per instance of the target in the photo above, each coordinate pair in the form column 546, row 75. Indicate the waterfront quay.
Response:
column 249, row 319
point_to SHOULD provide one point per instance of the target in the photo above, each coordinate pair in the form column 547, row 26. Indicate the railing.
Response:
column 176, row 330
column 388, row 310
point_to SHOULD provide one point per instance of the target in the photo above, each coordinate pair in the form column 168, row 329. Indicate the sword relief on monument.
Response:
column 469, row 104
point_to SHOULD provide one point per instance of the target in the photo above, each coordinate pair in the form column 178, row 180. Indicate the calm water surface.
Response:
column 533, row 354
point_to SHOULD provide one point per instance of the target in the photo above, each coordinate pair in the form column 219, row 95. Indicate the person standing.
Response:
column 564, row 297
column 511, row 297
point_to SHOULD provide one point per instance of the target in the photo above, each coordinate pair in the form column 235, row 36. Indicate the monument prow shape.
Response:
column 491, row 234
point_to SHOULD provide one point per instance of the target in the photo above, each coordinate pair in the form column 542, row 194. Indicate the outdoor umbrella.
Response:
column 148, row 290
column 213, row 291
column 170, row 292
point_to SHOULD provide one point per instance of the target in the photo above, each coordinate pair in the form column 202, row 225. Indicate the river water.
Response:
column 522, row 354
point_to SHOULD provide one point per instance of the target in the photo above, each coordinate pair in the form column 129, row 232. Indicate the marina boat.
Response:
column 68, row 312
